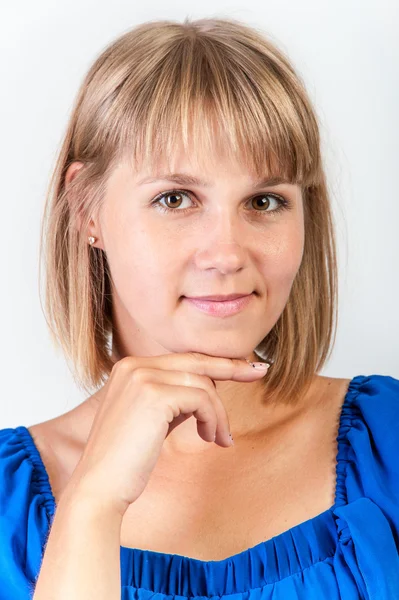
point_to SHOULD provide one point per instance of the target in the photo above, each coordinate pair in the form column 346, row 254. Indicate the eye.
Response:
column 176, row 200
column 261, row 202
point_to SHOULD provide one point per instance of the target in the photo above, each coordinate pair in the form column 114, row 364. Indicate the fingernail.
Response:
column 260, row 365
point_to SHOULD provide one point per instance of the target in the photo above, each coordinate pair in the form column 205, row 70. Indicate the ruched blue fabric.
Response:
column 349, row 551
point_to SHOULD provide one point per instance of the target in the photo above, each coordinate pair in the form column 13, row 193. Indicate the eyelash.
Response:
column 284, row 204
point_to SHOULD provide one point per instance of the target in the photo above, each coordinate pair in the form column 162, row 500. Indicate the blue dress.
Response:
column 347, row 552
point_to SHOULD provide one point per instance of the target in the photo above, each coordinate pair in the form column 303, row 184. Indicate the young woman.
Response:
column 191, row 171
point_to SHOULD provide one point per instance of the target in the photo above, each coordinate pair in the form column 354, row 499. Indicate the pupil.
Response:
column 263, row 201
column 173, row 196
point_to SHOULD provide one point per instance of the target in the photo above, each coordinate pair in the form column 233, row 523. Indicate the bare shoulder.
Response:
column 327, row 401
column 332, row 388
column 68, row 429
column 60, row 442
column 53, row 434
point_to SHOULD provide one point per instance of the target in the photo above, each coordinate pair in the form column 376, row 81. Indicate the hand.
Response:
column 144, row 399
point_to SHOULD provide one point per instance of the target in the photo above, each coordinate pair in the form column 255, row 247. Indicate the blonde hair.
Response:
column 165, row 83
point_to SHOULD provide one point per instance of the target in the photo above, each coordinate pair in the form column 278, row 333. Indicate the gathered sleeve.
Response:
column 367, row 496
column 25, row 515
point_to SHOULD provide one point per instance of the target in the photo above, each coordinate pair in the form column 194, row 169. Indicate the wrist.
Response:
column 82, row 495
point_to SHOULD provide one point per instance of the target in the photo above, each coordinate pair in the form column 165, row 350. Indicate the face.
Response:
column 229, row 236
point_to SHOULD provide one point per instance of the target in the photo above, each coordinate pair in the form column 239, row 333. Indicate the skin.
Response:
column 223, row 244
column 284, row 456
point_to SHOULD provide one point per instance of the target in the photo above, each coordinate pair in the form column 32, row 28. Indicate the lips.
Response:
column 218, row 308
column 219, row 297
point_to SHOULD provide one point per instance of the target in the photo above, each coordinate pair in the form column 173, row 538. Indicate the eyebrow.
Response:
column 185, row 179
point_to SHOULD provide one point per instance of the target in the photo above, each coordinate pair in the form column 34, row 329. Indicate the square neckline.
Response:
column 324, row 520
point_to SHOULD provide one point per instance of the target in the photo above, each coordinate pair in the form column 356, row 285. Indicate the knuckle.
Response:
column 139, row 375
column 125, row 364
column 204, row 404
column 152, row 389
column 150, row 395
column 235, row 362
column 197, row 358
column 201, row 381
column 204, row 395
column 187, row 378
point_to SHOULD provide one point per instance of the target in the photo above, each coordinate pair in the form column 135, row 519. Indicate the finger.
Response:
column 180, row 399
column 215, row 367
column 142, row 375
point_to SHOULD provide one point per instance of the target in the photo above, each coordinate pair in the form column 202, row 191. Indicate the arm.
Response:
column 82, row 554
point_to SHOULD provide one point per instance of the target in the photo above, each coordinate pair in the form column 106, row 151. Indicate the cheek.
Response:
column 142, row 267
column 282, row 257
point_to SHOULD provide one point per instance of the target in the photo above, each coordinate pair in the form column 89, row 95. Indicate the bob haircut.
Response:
column 197, row 83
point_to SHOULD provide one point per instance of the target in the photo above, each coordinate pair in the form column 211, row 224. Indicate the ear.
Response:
column 70, row 174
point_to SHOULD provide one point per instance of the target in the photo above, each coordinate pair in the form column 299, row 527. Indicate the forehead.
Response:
column 210, row 136
column 193, row 168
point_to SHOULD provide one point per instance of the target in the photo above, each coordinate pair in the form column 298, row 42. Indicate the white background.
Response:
column 348, row 54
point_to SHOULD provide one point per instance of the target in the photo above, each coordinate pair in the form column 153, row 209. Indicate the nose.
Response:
column 225, row 244
column 225, row 257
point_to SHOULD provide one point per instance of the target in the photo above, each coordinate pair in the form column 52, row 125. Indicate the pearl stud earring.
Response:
column 91, row 240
